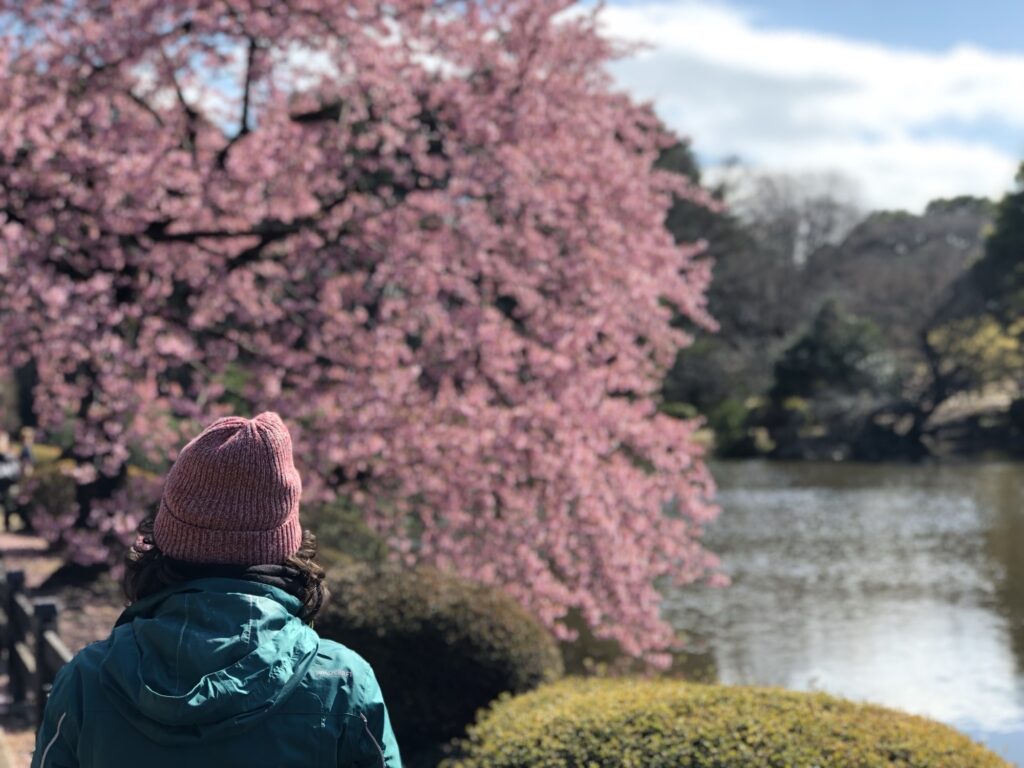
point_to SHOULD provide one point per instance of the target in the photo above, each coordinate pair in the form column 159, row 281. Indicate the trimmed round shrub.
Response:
column 442, row 648
column 669, row 723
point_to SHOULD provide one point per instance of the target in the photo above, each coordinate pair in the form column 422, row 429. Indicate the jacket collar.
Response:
column 235, row 584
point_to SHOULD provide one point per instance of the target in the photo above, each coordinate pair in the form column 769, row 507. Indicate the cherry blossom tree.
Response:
column 429, row 233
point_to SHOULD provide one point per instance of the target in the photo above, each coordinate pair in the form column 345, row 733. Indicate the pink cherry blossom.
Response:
column 428, row 233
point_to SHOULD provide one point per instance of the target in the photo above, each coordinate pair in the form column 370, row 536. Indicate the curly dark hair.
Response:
column 148, row 570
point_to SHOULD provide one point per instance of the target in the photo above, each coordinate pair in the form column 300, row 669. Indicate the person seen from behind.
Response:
column 28, row 439
column 215, row 661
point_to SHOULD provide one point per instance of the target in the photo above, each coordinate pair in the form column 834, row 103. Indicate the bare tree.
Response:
column 793, row 214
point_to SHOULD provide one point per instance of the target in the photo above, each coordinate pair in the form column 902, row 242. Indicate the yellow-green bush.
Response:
column 45, row 454
column 441, row 647
column 669, row 723
column 982, row 348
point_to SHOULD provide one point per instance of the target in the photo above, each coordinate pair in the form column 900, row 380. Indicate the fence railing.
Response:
column 34, row 650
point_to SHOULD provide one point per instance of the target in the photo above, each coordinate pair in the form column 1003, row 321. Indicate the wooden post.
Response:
column 3, row 607
column 15, row 584
column 45, row 620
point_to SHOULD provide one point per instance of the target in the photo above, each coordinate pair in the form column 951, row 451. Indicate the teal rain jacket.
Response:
column 215, row 672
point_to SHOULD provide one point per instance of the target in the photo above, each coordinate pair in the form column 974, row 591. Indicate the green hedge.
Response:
column 663, row 723
column 442, row 648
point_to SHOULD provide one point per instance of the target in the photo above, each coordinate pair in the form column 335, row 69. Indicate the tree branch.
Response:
column 268, row 231
column 243, row 128
column 145, row 105
column 329, row 112
column 191, row 116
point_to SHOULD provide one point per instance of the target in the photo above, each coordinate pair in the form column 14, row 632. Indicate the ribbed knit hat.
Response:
column 233, row 495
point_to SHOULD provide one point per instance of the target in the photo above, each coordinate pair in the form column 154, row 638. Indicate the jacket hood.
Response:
column 206, row 658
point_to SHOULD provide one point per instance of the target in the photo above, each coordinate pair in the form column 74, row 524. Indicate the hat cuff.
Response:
column 184, row 541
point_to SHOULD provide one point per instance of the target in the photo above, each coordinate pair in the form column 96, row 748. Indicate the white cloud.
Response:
column 908, row 126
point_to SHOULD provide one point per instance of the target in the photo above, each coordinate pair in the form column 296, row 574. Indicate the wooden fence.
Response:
column 33, row 648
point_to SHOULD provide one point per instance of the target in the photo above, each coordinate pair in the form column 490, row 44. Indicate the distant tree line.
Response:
column 848, row 334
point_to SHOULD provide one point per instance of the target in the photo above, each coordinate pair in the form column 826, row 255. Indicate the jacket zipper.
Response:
column 380, row 751
column 42, row 762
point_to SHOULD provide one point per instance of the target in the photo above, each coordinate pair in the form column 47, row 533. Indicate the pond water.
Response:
column 900, row 585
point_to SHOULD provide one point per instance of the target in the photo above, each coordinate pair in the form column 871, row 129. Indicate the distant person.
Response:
column 215, row 661
column 10, row 472
column 28, row 439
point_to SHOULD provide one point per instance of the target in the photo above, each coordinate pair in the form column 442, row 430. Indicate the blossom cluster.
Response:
column 431, row 235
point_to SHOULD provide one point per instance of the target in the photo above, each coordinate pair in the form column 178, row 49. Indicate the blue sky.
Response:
column 910, row 100
column 934, row 25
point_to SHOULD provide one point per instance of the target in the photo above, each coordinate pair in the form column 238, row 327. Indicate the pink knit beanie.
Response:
column 233, row 495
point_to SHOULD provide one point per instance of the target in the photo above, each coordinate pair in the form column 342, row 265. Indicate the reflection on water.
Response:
column 900, row 585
